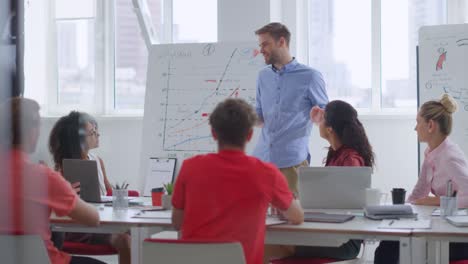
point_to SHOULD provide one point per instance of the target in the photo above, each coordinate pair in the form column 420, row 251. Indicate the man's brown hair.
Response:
column 17, row 117
column 276, row 30
column 232, row 121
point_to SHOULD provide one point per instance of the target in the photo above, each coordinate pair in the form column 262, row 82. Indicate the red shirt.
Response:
column 225, row 197
column 346, row 156
column 28, row 194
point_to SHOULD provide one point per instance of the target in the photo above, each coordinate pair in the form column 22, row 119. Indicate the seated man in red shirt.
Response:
column 225, row 195
column 30, row 192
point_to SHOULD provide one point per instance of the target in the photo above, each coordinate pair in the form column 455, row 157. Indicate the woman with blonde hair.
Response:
column 443, row 161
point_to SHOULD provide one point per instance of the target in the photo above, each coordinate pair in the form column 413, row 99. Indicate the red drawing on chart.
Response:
column 441, row 60
column 256, row 52
column 211, row 81
column 204, row 114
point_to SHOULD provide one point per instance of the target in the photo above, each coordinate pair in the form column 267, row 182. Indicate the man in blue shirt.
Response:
column 286, row 92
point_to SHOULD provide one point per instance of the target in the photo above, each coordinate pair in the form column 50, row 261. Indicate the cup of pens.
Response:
column 448, row 205
column 119, row 197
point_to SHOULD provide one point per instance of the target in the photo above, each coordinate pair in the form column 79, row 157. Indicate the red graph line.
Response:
column 236, row 91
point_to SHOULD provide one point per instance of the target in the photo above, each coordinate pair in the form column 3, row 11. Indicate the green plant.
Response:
column 169, row 187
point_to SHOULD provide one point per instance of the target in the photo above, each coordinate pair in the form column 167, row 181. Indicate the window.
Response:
column 203, row 28
column 399, row 41
column 75, row 24
column 340, row 48
column 95, row 52
column 131, row 55
column 341, row 45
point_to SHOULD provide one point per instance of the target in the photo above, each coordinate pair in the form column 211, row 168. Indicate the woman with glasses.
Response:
column 72, row 137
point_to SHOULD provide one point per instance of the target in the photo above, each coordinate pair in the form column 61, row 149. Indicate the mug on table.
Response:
column 374, row 197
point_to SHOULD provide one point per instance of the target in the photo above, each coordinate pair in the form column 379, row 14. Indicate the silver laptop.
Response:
column 85, row 172
column 333, row 187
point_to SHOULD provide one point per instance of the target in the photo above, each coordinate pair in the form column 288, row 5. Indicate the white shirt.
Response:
column 102, row 186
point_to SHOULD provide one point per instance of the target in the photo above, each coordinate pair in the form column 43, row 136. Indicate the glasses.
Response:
column 93, row 133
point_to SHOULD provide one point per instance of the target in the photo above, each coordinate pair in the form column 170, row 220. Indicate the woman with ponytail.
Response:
column 443, row 161
column 349, row 146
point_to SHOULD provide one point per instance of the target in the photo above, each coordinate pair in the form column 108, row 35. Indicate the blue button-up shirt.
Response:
column 284, row 100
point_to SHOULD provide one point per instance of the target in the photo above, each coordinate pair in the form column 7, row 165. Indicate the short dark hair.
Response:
column 232, row 121
column 276, row 30
column 18, row 116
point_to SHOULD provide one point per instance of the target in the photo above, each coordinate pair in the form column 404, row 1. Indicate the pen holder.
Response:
column 119, row 199
column 166, row 201
column 448, row 206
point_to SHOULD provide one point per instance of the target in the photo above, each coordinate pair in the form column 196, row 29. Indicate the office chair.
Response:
column 79, row 248
column 294, row 260
column 19, row 248
column 189, row 251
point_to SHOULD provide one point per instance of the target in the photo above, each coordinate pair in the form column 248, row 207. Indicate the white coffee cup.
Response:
column 374, row 196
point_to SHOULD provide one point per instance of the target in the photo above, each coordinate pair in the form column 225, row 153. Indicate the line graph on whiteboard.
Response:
column 190, row 88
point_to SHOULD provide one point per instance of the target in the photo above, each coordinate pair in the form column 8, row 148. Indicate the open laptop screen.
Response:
column 85, row 172
column 333, row 187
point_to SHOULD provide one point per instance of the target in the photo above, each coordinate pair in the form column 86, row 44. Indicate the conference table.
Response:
column 416, row 245
column 332, row 234
column 439, row 236
column 120, row 221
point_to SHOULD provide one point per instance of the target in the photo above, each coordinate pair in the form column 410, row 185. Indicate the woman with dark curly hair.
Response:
column 72, row 137
column 349, row 145
column 339, row 125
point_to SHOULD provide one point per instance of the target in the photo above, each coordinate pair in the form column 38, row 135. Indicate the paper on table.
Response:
column 436, row 212
column 458, row 220
column 273, row 221
column 406, row 224
column 154, row 214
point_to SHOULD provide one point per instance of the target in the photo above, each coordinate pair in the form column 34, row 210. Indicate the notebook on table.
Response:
column 324, row 217
column 379, row 212
column 458, row 220
column 327, row 218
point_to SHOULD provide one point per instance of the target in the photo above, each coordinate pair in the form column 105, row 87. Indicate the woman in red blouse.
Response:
column 349, row 146
column 340, row 126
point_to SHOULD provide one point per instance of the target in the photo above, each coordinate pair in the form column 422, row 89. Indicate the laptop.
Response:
column 333, row 187
column 85, row 172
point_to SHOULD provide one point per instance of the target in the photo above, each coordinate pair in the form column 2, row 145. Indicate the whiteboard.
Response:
column 443, row 68
column 159, row 172
column 184, row 84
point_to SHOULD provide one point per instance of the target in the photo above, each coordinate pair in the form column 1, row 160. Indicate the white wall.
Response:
column 237, row 20
column 393, row 140
column 120, row 144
